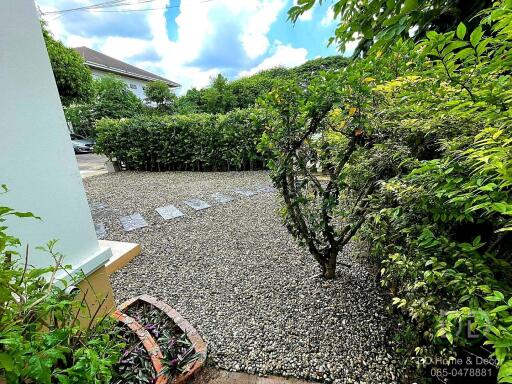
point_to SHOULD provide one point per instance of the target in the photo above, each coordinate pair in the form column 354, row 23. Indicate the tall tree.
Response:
column 114, row 99
column 218, row 97
column 74, row 79
column 158, row 92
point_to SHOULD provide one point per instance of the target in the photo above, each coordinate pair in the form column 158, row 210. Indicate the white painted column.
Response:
column 36, row 156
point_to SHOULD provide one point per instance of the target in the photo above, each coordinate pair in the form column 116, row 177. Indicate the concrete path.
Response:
column 216, row 376
column 91, row 164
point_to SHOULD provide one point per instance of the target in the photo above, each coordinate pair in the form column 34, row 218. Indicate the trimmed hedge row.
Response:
column 195, row 142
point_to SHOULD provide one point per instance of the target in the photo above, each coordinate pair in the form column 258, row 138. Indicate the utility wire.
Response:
column 98, row 8
column 106, row 3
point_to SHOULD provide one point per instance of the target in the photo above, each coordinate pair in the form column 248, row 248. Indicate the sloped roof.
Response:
column 98, row 60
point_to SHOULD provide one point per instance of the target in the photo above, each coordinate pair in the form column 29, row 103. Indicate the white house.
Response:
column 136, row 78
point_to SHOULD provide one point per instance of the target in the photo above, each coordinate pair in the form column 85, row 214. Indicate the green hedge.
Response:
column 196, row 142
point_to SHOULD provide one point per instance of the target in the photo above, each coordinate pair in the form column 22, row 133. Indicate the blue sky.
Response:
column 190, row 41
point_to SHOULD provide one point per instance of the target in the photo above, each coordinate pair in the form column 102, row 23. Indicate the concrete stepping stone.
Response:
column 101, row 231
column 169, row 212
column 221, row 198
column 244, row 192
column 197, row 204
column 265, row 189
column 132, row 222
column 98, row 206
column 99, row 210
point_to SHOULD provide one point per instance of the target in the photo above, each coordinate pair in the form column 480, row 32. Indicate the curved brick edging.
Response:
column 194, row 337
column 147, row 340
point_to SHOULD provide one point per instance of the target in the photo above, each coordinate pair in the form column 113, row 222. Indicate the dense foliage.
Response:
column 111, row 98
column 223, row 95
column 183, row 142
column 381, row 22
column 159, row 94
column 437, row 148
column 41, row 340
column 73, row 77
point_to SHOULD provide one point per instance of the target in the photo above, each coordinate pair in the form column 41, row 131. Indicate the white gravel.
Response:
column 237, row 275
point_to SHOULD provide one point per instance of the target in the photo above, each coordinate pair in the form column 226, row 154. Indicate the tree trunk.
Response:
column 329, row 268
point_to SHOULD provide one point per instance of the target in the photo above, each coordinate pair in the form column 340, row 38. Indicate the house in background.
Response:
column 136, row 78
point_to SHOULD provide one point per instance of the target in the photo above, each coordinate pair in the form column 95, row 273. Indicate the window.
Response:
column 133, row 86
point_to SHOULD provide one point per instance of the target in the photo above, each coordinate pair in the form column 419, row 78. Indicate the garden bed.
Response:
column 234, row 272
column 161, row 346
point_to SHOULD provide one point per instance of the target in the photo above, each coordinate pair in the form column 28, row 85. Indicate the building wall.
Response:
column 134, row 85
column 36, row 156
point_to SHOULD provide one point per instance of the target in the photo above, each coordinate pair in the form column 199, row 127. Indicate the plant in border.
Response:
column 40, row 336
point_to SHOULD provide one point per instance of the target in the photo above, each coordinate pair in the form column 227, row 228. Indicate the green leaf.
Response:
column 499, row 308
column 499, row 295
column 461, row 31
column 503, row 343
column 409, row 6
column 475, row 36
column 501, row 354
column 505, row 372
column 6, row 362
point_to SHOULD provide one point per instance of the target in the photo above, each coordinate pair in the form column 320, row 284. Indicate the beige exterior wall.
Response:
column 135, row 85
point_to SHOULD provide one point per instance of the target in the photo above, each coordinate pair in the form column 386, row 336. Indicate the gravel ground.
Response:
column 237, row 275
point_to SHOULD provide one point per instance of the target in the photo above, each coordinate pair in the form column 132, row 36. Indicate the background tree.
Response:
column 114, row 99
column 74, row 79
column 218, row 97
column 382, row 22
column 158, row 92
column 222, row 95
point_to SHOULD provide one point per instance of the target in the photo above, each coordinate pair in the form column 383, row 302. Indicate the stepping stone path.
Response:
column 169, row 212
column 136, row 221
column 101, row 231
column 244, row 192
column 221, row 198
column 197, row 204
column 265, row 189
column 99, row 209
column 97, row 206
column 132, row 222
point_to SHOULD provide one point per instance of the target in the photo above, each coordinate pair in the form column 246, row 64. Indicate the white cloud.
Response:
column 351, row 46
column 284, row 56
column 328, row 18
column 307, row 16
column 196, row 23
column 262, row 16
column 123, row 48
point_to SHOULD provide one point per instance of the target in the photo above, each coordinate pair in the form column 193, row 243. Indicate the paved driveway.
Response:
column 91, row 164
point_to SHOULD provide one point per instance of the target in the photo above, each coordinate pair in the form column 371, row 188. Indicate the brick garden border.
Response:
column 147, row 340
column 194, row 337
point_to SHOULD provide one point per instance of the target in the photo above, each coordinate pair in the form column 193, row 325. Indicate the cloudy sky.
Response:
column 189, row 41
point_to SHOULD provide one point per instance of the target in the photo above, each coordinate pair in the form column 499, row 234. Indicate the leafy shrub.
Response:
column 40, row 337
column 222, row 96
column 114, row 99
column 73, row 78
column 329, row 126
column 81, row 118
column 442, row 226
column 436, row 124
column 111, row 98
column 183, row 142
column 158, row 92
